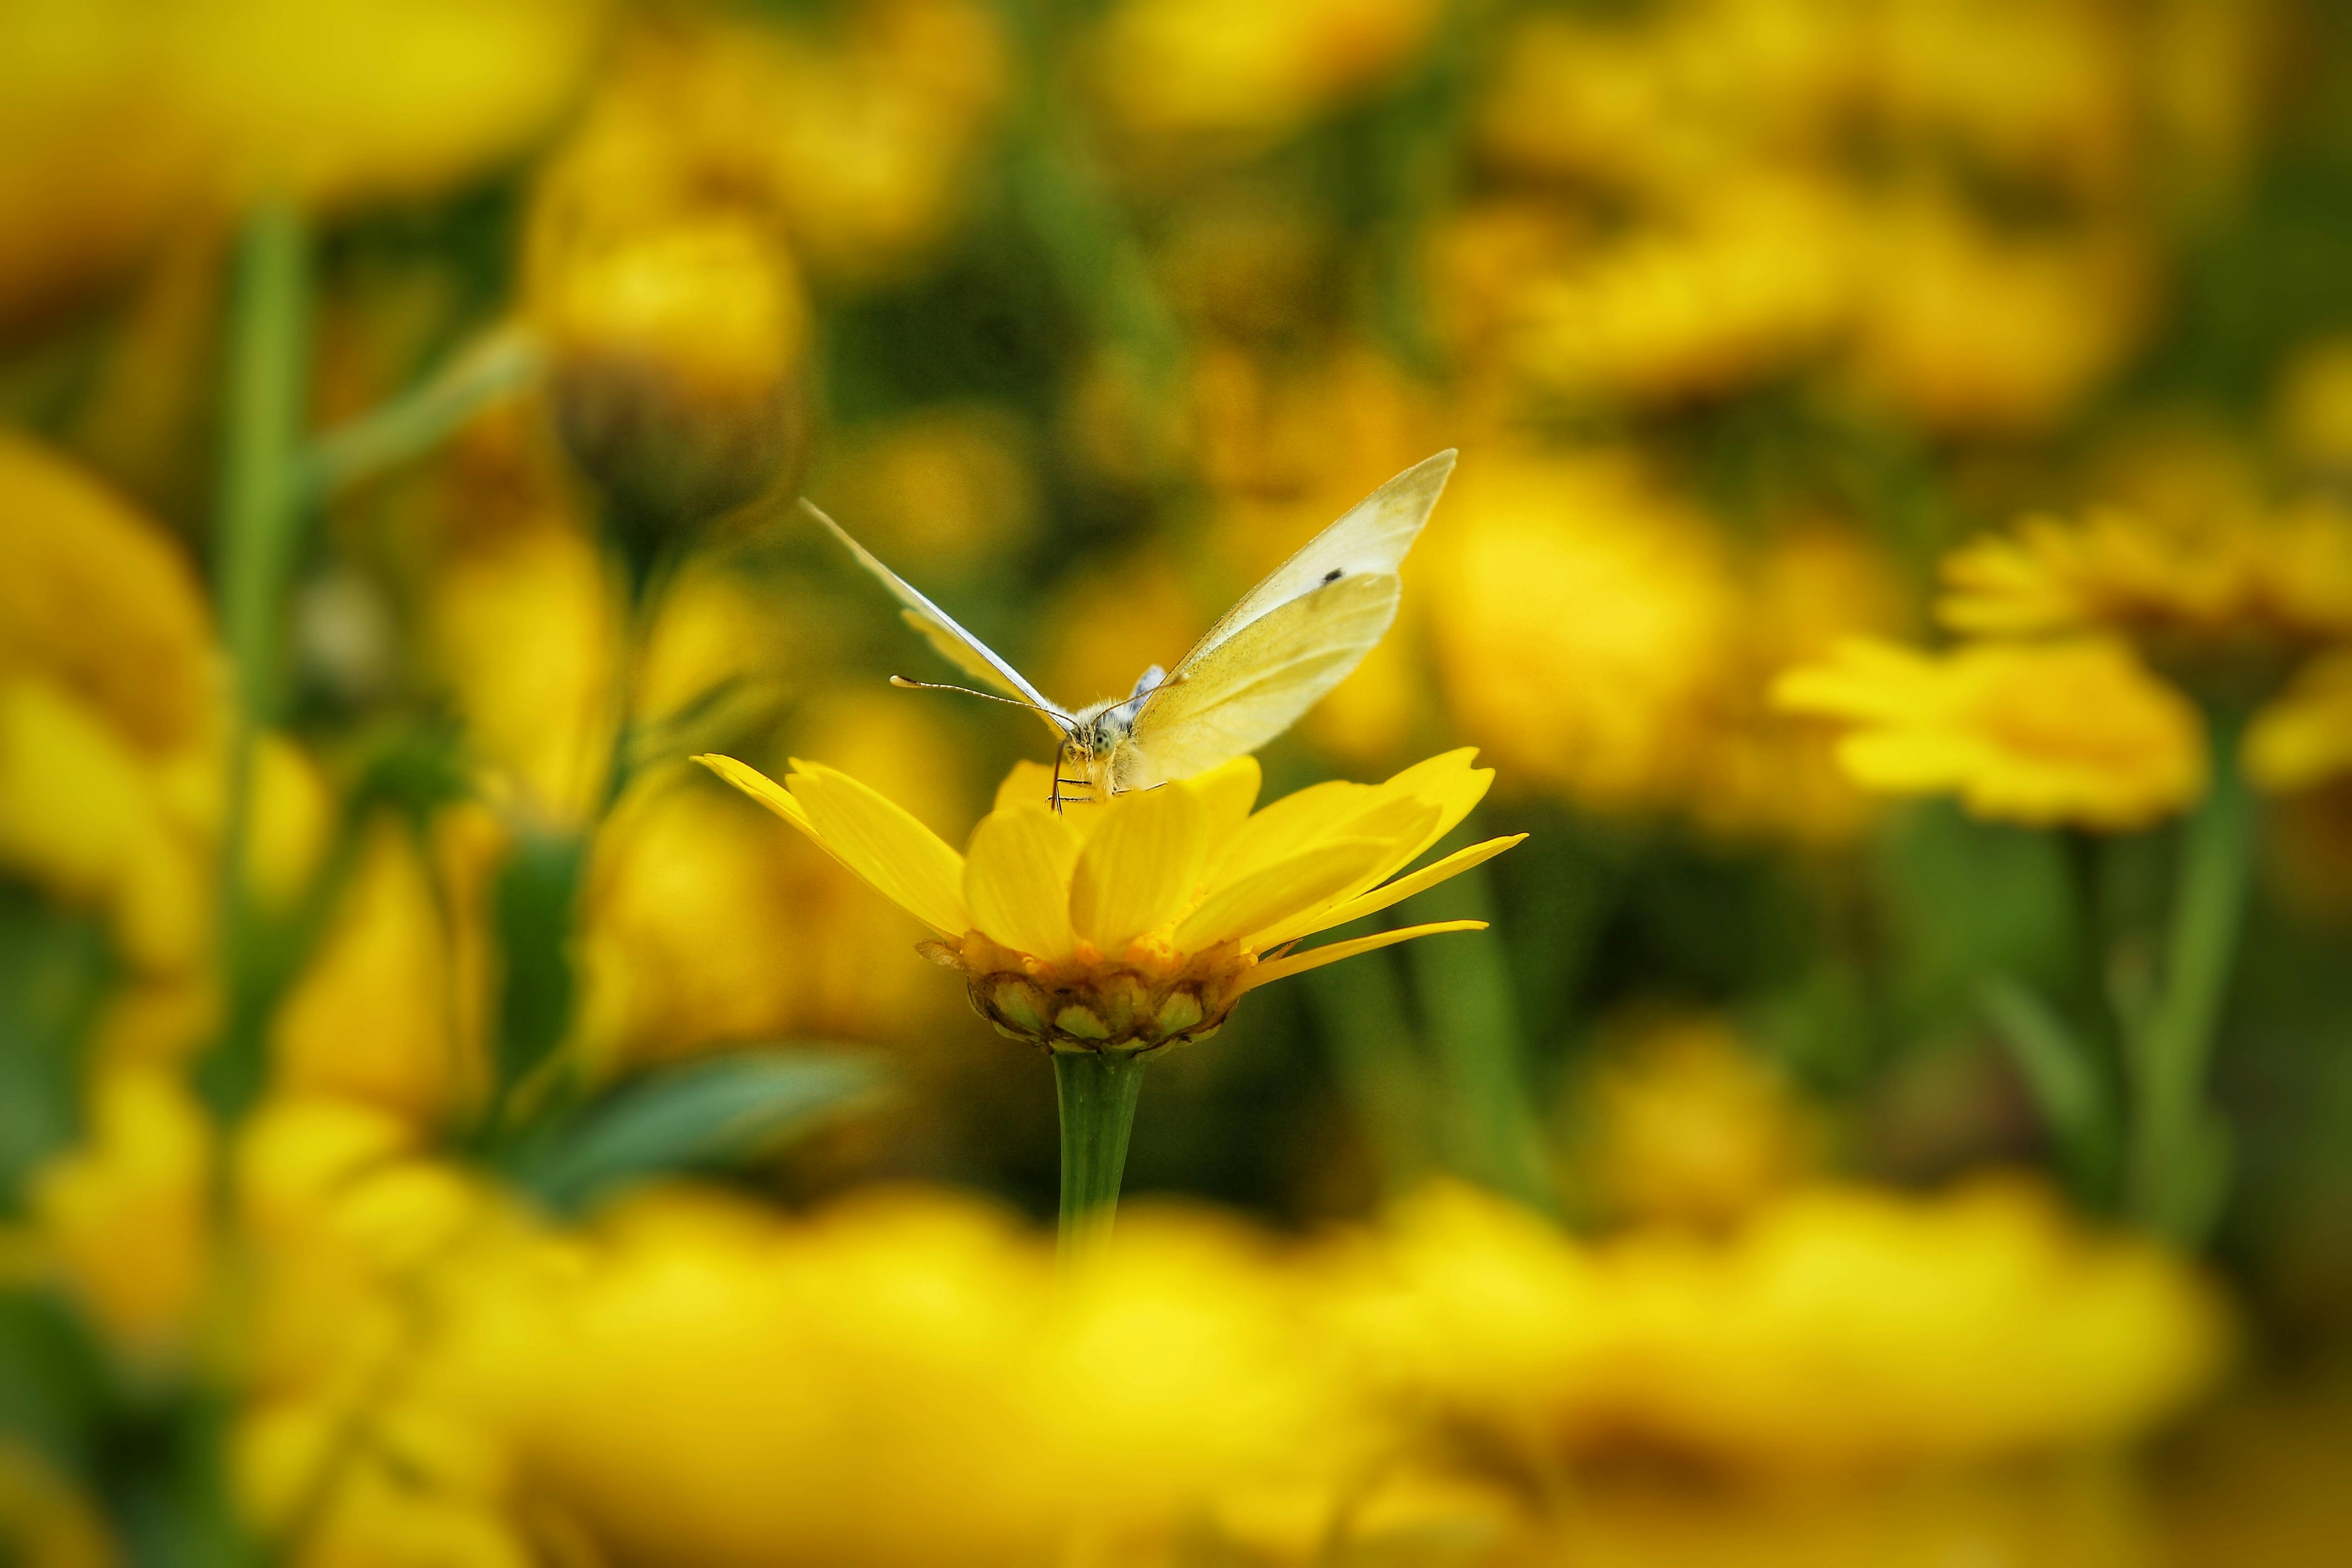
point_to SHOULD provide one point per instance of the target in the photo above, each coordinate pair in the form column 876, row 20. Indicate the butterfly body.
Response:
column 1270, row 658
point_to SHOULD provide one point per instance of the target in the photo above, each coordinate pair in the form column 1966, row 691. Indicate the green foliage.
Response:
column 53, row 971
column 709, row 1114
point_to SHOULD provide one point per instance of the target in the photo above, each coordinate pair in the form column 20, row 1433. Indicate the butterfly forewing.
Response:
column 957, row 645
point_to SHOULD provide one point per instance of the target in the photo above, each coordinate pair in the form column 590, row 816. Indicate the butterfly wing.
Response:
column 1372, row 538
column 1255, row 684
column 1291, row 638
column 957, row 645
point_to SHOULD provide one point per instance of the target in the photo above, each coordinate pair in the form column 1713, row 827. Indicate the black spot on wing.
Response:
column 1333, row 575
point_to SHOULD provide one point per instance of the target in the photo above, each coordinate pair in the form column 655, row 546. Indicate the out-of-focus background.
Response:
column 1899, row 568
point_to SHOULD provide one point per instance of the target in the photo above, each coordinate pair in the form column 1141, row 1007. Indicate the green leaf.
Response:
column 2064, row 1077
column 535, row 905
column 1472, row 1016
column 712, row 1113
column 53, row 1382
column 53, row 971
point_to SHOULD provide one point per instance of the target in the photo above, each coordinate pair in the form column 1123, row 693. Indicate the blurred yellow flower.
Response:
column 677, row 363
column 2287, row 575
column 1238, row 76
column 378, row 1014
column 119, row 121
column 1140, row 922
column 526, row 627
column 2304, row 736
column 857, row 134
column 1745, row 284
column 701, row 926
column 690, row 923
column 895, row 1380
column 950, row 488
column 45, row 1522
column 2039, row 89
column 2313, row 411
column 1582, row 622
column 104, row 601
column 1688, row 1124
column 1963, row 328
column 125, row 1219
column 357, row 1251
column 86, row 815
column 1965, row 1328
column 2071, row 731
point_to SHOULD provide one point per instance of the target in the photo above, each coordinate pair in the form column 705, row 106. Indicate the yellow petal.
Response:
column 760, row 787
column 1289, row 825
column 1275, row 893
column 1016, row 879
column 1317, row 957
column 876, row 838
column 1032, row 784
column 1227, row 792
column 1029, row 783
column 1396, row 893
column 1406, row 825
column 1139, row 867
column 1447, row 782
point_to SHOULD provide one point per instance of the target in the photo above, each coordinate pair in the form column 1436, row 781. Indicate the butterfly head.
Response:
column 1100, row 758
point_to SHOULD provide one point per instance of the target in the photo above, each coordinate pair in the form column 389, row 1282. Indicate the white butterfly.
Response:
column 1273, row 655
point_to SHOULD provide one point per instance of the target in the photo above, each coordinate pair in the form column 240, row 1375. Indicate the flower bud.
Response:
column 679, row 362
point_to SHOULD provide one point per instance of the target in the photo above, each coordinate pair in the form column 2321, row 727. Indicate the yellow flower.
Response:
column 678, row 374
column 104, row 601
column 116, row 123
column 124, row 1219
column 2312, row 409
column 380, row 1016
column 527, row 629
column 2288, row 574
column 2041, row 733
column 1754, row 279
column 45, row 1520
column 2304, row 737
column 1692, row 1125
column 1239, row 72
column 1962, row 328
column 1141, row 923
column 857, row 132
column 1969, row 1327
column 1583, row 622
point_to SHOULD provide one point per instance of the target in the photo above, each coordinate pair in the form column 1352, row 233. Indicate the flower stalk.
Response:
column 261, row 509
column 2180, row 1155
column 1095, row 1091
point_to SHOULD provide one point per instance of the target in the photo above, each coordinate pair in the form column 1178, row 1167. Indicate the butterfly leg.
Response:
column 1055, row 798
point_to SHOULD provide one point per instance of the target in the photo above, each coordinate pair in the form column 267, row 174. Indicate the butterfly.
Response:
column 1272, row 657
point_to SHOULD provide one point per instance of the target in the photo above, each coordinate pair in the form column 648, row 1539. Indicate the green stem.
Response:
column 1096, row 1092
column 1365, row 1026
column 259, row 533
column 1476, row 1038
column 1064, row 201
column 2180, row 1155
column 414, row 423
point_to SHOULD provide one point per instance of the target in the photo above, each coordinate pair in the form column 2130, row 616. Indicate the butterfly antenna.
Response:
column 905, row 685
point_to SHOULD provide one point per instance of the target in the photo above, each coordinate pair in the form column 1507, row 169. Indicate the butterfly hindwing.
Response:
column 957, row 645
